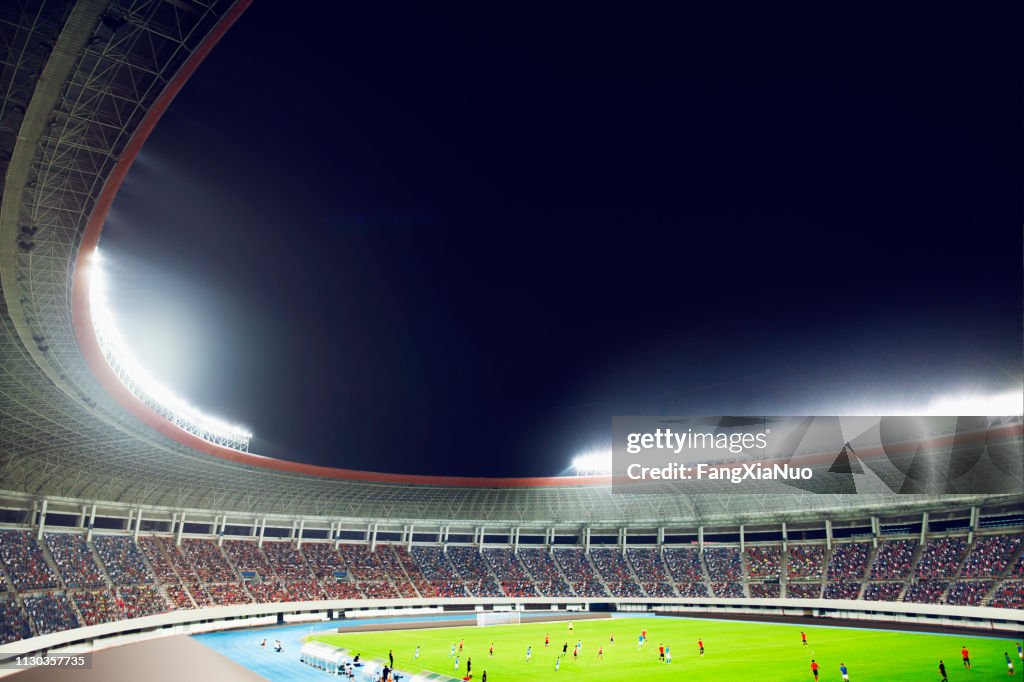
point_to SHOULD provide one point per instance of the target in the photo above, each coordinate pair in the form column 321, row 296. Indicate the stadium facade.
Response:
column 83, row 458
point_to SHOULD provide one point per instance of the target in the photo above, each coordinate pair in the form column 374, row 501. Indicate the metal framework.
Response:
column 77, row 81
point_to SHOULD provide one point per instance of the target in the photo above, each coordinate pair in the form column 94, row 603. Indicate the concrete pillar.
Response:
column 622, row 540
column 924, row 527
column 700, row 539
column 81, row 516
column 515, row 540
column 220, row 529
column 302, row 527
column 874, row 531
column 138, row 526
column 92, row 522
column 741, row 539
column 131, row 517
column 373, row 539
column 412, row 529
column 975, row 524
column 181, row 529
column 661, row 539
column 586, row 540
column 291, row 533
column 42, row 520
column 828, row 533
column 785, row 536
column 263, row 531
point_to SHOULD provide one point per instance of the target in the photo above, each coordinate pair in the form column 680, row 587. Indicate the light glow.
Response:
column 141, row 383
column 999, row 405
column 593, row 463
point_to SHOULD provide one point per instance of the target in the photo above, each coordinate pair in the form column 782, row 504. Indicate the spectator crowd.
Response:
column 66, row 580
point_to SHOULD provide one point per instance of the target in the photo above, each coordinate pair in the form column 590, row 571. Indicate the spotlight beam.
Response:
column 142, row 384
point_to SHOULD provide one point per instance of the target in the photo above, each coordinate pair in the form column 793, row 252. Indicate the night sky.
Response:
column 458, row 239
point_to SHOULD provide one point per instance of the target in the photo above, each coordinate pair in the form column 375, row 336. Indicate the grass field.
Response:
column 733, row 651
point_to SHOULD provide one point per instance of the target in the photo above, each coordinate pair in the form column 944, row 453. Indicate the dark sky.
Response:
column 433, row 238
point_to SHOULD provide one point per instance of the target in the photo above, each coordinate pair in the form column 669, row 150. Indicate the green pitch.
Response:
column 733, row 651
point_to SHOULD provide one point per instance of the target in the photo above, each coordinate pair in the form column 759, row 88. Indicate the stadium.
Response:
column 144, row 534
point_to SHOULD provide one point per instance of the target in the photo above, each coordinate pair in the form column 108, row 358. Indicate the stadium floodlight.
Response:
column 593, row 463
column 137, row 380
column 998, row 405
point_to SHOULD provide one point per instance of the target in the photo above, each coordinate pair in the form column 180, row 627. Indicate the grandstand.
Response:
column 116, row 519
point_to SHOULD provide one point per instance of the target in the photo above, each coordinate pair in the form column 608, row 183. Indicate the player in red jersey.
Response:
column 814, row 668
column 547, row 641
column 803, row 637
column 966, row 655
column 700, row 645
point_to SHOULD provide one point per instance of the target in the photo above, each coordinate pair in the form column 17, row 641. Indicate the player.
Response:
column 668, row 655
column 570, row 626
column 483, row 678
column 263, row 644
column 661, row 653
column 417, row 653
column 461, row 641
column 529, row 653
column 1009, row 663
column 639, row 641
column 700, row 646
column 600, row 653
column 579, row 644
column 469, row 666
column 643, row 636
column 452, row 652
column 576, row 653
column 456, row 663
column 942, row 671
column 803, row 637
column 490, row 651
column 966, row 656
column 844, row 672
column 565, row 648
column 611, row 640
column 547, row 641
column 1020, row 651
column 814, row 669
column 558, row 663
column 391, row 658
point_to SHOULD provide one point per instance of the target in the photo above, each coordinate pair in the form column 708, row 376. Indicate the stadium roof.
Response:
column 83, row 84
